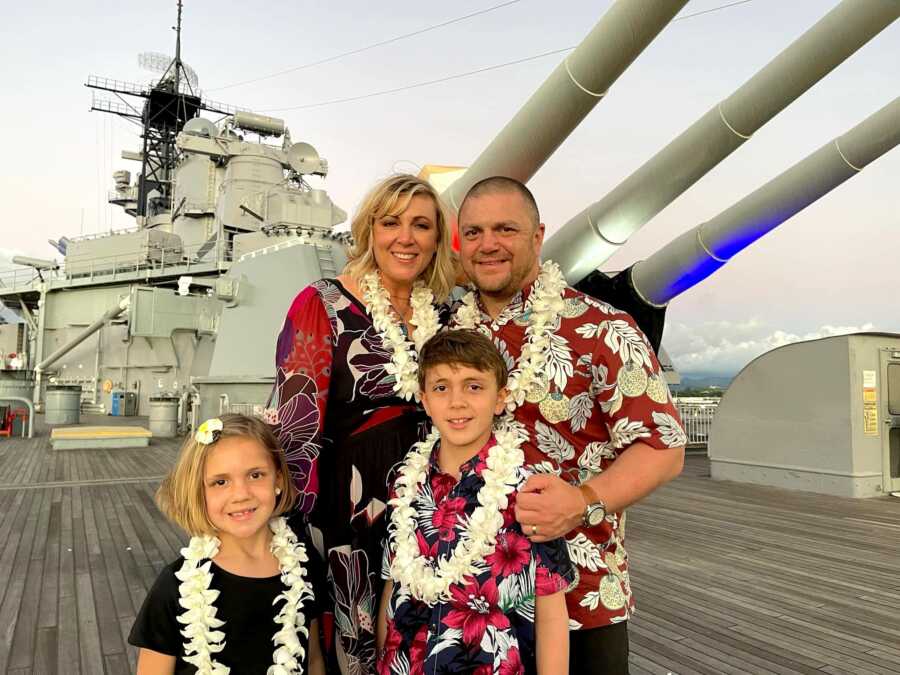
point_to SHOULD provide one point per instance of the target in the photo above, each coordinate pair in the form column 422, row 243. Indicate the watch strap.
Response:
column 589, row 494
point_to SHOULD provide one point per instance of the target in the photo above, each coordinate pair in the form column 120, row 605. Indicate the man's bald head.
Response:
column 504, row 185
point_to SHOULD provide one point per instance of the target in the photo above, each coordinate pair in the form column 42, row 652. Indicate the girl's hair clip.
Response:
column 206, row 432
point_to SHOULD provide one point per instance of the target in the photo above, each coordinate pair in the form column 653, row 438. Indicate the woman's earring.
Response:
column 277, row 491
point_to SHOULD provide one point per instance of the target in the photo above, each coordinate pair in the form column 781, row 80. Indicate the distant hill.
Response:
column 704, row 381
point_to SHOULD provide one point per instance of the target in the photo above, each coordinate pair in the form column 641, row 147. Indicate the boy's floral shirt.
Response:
column 487, row 627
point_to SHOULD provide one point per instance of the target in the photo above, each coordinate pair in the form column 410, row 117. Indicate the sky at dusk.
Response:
column 831, row 269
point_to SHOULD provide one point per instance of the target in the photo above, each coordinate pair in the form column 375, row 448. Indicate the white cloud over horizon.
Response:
column 6, row 256
column 724, row 347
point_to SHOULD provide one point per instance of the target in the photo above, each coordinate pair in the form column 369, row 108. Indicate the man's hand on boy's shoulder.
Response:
column 547, row 507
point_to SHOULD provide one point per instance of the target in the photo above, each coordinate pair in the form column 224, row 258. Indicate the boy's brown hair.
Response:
column 462, row 348
column 181, row 496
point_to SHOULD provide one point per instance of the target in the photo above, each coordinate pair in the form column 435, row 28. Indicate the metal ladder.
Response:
column 326, row 261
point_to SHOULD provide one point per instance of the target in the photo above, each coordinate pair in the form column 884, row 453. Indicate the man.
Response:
column 602, row 429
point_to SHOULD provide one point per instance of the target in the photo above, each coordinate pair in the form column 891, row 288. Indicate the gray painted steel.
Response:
column 16, row 383
column 218, row 395
column 588, row 239
column 159, row 312
column 18, row 386
column 569, row 94
column 261, row 123
column 794, row 418
column 234, row 199
column 699, row 252
column 270, row 278
column 108, row 315
column 62, row 404
column 163, row 420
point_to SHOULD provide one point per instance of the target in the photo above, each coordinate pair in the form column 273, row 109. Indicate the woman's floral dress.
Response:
column 336, row 415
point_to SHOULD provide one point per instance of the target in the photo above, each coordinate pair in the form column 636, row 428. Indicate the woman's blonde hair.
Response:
column 181, row 496
column 391, row 197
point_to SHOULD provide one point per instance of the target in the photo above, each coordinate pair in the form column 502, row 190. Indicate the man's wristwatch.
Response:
column 595, row 508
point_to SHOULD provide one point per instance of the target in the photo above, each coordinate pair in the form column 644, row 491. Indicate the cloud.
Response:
column 724, row 347
column 6, row 256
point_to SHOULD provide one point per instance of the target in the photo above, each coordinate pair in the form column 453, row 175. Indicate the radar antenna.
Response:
column 157, row 62
column 168, row 105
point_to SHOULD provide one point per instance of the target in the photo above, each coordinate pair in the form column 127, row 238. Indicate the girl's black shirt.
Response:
column 245, row 604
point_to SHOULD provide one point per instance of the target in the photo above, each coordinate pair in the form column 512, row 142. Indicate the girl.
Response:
column 241, row 595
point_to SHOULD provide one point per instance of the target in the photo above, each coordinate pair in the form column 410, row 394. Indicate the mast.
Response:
column 169, row 103
column 178, row 64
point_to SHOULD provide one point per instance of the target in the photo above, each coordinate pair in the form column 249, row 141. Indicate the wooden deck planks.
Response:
column 728, row 578
column 748, row 577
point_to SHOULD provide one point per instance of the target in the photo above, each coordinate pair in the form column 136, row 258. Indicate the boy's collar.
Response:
column 475, row 463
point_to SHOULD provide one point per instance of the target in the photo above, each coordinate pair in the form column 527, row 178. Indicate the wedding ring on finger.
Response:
column 534, row 530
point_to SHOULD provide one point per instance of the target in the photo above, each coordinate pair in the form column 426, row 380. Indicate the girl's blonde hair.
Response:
column 391, row 197
column 181, row 495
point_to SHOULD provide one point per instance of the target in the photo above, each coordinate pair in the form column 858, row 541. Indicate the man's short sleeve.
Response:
column 630, row 387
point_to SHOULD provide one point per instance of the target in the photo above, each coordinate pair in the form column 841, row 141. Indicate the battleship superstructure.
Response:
column 188, row 303
column 138, row 310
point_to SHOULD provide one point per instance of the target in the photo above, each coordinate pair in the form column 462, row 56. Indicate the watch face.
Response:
column 595, row 514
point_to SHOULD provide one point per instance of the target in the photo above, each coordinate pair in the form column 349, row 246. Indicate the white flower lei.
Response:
column 404, row 365
column 415, row 572
column 546, row 303
column 198, row 599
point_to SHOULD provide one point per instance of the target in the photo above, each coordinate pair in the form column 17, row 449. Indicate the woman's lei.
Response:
column 404, row 362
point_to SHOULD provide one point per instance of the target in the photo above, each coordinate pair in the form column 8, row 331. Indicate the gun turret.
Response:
column 589, row 238
column 569, row 94
column 696, row 254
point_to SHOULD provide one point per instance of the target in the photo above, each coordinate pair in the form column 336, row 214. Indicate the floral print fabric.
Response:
column 602, row 390
column 335, row 412
column 487, row 627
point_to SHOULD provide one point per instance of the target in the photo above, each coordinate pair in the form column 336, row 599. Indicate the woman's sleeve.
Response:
column 296, row 410
column 156, row 626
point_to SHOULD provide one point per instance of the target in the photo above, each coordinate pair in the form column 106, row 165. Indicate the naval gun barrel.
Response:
column 108, row 315
column 569, row 94
column 588, row 239
column 696, row 254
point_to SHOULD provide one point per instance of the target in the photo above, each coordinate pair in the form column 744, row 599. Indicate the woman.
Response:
column 345, row 390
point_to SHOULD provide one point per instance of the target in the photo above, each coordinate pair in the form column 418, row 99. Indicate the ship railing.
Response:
column 111, row 106
column 151, row 262
column 20, row 278
column 108, row 233
column 697, row 417
column 195, row 207
column 129, row 194
column 120, row 86
column 135, row 88
column 148, row 263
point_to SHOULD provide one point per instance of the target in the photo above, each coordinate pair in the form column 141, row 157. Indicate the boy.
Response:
column 494, row 603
